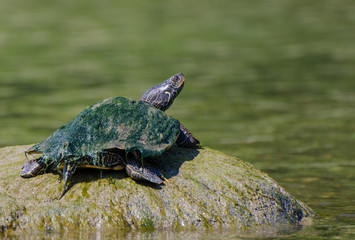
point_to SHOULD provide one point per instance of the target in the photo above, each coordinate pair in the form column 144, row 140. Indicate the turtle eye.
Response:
column 176, row 81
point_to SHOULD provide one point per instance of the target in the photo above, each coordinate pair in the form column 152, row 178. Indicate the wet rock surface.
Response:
column 205, row 189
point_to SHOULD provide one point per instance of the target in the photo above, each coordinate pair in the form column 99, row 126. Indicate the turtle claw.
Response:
column 165, row 180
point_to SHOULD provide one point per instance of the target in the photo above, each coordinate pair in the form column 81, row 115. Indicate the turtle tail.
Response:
column 186, row 139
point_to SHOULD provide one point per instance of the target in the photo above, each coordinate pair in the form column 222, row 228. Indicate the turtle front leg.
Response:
column 68, row 170
column 135, row 170
column 186, row 139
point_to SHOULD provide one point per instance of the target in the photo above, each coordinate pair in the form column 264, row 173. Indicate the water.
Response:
column 270, row 82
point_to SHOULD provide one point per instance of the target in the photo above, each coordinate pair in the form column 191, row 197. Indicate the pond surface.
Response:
column 270, row 82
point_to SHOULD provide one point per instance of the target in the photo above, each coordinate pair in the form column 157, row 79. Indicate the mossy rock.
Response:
column 206, row 189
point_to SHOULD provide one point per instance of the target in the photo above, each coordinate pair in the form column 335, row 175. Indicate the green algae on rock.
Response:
column 212, row 191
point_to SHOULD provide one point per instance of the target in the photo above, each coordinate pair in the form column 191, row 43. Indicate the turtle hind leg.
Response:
column 135, row 170
column 68, row 169
column 32, row 168
column 186, row 139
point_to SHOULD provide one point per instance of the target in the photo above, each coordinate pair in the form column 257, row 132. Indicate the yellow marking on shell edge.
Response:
column 96, row 167
column 103, row 168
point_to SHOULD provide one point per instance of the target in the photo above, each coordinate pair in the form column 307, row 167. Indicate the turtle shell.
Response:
column 111, row 123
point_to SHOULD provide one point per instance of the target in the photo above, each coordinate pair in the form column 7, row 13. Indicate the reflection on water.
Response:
column 269, row 82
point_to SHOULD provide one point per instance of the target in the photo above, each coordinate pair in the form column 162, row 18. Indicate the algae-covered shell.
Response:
column 111, row 123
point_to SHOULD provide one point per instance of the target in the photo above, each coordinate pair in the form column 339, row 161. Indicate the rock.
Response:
column 206, row 189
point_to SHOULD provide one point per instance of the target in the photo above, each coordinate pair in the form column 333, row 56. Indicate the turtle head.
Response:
column 162, row 95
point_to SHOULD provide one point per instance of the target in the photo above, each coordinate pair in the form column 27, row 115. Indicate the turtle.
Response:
column 115, row 133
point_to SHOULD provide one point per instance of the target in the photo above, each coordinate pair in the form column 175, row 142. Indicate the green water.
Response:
column 270, row 82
